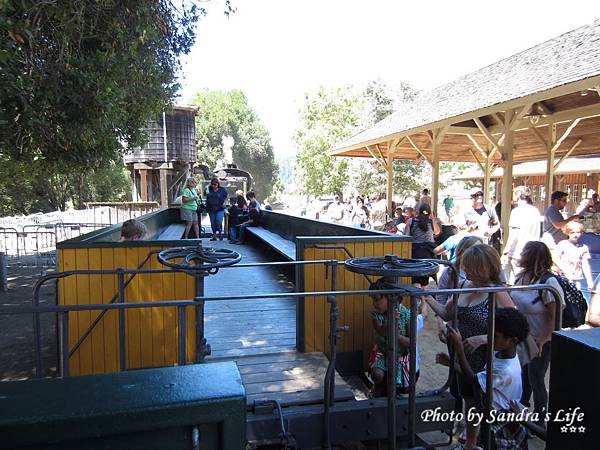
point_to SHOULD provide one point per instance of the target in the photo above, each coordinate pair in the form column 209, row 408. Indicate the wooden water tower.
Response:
column 159, row 168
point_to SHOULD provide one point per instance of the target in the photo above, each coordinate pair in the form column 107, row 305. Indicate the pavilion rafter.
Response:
column 419, row 151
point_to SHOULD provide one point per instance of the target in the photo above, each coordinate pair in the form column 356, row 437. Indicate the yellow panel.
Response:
column 388, row 248
column 309, row 304
column 320, row 321
column 365, row 339
column 97, row 334
column 344, row 301
column 68, row 296
column 83, row 298
column 191, row 318
column 190, row 285
column 158, row 314
column 120, row 260
column 145, row 294
column 110, row 320
column 377, row 249
column 133, row 323
column 169, row 318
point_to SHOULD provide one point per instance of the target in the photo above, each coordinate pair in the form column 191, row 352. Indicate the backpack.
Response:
column 575, row 304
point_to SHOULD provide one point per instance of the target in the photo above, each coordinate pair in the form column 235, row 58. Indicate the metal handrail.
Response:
column 400, row 290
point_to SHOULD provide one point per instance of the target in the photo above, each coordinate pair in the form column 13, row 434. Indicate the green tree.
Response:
column 79, row 79
column 380, row 101
column 326, row 118
column 227, row 113
column 39, row 186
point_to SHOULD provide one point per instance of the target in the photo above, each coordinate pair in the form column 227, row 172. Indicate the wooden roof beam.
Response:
column 477, row 146
column 368, row 147
column 419, row 150
column 539, row 136
column 567, row 154
column 474, row 155
column 386, row 162
column 565, row 134
column 583, row 112
column 463, row 130
column 491, row 139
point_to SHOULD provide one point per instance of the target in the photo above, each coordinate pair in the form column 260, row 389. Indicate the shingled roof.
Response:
column 571, row 57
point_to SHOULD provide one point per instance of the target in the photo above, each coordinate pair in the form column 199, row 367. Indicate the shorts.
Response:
column 189, row 215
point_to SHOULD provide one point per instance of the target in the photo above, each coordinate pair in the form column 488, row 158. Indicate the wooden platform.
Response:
column 291, row 378
column 248, row 327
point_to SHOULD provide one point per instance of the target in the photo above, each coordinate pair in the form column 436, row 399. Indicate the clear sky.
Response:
column 277, row 50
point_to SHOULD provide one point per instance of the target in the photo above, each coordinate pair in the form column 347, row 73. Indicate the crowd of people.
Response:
column 532, row 254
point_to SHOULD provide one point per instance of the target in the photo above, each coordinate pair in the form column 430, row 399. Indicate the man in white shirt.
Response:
column 524, row 226
column 336, row 210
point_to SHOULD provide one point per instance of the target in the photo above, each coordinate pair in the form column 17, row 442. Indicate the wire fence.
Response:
column 31, row 240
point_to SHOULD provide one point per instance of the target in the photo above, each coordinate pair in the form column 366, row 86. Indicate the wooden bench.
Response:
column 172, row 232
column 284, row 247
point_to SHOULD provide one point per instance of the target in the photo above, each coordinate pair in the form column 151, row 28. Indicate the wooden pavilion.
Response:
column 542, row 103
column 578, row 177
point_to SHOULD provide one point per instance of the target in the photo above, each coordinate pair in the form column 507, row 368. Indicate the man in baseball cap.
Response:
column 480, row 220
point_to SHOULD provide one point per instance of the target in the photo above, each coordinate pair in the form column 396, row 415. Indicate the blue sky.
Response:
column 277, row 50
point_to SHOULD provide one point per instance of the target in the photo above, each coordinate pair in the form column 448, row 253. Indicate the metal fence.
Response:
column 63, row 312
column 31, row 240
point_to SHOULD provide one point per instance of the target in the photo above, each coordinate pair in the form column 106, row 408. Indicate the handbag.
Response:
column 178, row 200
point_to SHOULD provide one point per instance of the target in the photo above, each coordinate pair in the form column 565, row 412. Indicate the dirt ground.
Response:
column 17, row 358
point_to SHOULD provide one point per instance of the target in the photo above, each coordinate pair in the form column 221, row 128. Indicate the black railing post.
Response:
column 489, row 379
column 202, row 347
column 391, row 365
column 122, row 319
column 182, row 335
column 64, row 324
column 329, row 385
column 414, row 311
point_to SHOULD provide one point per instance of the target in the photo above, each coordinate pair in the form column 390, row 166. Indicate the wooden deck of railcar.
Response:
column 260, row 335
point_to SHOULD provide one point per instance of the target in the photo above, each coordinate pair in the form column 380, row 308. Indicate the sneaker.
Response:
column 213, row 238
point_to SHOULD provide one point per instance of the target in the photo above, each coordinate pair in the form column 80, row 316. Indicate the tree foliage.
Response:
column 78, row 81
column 334, row 115
column 326, row 118
column 227, row 113
column 27, row 188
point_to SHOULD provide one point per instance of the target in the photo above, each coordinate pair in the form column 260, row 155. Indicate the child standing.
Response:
column 377, row 360
column 572, row 257
column 511, row 327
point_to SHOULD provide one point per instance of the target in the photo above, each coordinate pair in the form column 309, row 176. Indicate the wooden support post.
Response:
column 436, row 141
column 508, row 157
column 551, row 153
column 487, row 172
column 164, row 189
column 144, row 185
column 392, row 145
column 390, row 186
